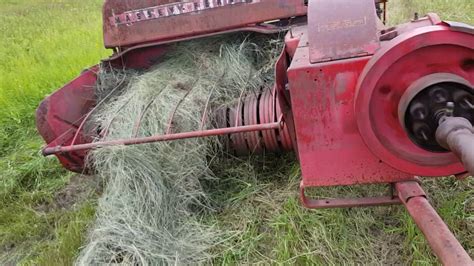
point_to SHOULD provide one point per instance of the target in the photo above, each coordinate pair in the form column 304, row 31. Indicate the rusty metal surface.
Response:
column 346, row 202
column 143, row 56
column 157, row 138
column 442, row 241
column 409, row 189
column 341, row 29
column 187, row 21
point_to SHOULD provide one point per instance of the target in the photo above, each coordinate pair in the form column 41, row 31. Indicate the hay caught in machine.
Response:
column 153, row 202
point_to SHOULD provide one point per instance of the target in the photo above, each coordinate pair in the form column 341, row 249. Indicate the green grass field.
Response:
column 44, row 45
column 43, row 221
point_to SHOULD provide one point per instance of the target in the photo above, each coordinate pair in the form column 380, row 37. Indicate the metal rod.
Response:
column 204, row 113
column 168, row 137
column 95, row 108
column 105, row 131
column 170, row 120
column 238, row 115
column 349, row 203
column 443, row 243
column 136, row 129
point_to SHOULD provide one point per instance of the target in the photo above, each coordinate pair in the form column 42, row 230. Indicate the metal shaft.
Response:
column 185, row 135
column 443, row 243
column 250, row 126
column 457, row 135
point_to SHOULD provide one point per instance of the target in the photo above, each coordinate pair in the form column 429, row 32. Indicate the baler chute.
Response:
column 358, row 102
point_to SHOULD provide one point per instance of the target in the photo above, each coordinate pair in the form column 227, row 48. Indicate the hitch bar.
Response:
column 442, row 241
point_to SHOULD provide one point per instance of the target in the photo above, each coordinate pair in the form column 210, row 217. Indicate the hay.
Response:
column 151, row 209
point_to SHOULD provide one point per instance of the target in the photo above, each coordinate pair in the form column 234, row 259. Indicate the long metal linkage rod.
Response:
column 443, row 243
column 167, row 137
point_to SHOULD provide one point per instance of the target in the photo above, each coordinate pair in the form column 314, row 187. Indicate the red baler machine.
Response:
column 358, row 102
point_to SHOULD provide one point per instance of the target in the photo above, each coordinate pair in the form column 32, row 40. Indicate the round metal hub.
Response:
column 387, row 80
column 420, row 113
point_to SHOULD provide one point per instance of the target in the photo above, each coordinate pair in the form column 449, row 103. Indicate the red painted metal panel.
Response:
column 341, row 29
column 62, row 112
column 207, row 18
column 330, row 148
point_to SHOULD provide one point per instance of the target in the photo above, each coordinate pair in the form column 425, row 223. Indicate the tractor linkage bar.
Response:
column 442, row 241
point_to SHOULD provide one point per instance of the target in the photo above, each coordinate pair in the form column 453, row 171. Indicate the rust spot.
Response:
column 467, row 64
column 385, row 90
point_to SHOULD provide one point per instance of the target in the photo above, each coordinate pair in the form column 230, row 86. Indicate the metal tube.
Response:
column 185, row 135
column 95, row 108
column 457, row 135
column 462, row 144
column 443, row 243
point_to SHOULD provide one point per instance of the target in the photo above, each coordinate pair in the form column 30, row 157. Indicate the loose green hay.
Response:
column 150, row 210
column 230, row 210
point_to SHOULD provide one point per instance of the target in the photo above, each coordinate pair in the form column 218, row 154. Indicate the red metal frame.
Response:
column 239, row 14
column 322, row 100
column 61, row 113
column 143, row 56
column 444, row 244
column 327, row 203
column 315, row 99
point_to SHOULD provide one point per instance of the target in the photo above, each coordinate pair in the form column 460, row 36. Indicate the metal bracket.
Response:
column 409, row 189
column 459, row 26
column 349, row 202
